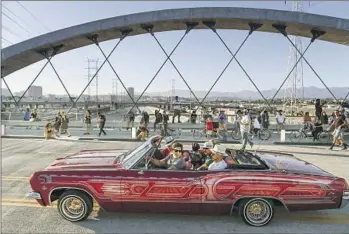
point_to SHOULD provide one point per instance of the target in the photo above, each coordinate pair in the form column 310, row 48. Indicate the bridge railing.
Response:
column 123, row 125
column 79, row 116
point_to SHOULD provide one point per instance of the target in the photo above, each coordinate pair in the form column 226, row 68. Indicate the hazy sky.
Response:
column 200, row 58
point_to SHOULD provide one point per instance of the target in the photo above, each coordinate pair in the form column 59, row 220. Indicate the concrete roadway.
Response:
column 20, row 157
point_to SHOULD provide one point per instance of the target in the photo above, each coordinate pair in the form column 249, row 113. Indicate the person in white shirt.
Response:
column 218, row 161
column 256, row 126
column 280, row 120
column 245, row 127
column 176, row 109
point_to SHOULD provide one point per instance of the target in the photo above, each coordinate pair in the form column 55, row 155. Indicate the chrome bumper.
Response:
column 33, row 195
column 345, row 199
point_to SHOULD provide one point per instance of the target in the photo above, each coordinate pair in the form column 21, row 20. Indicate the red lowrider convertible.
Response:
column 126, row 181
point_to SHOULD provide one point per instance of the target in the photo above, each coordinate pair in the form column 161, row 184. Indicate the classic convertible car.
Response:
column 126, row 181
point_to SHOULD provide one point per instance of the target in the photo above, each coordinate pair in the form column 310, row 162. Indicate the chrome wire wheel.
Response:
column 73, row 207
column 257, row 212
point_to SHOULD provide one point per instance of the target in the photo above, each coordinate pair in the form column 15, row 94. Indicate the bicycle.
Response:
column 323, row 136
column 262, row 134
column 201, row 134
column 175, row 133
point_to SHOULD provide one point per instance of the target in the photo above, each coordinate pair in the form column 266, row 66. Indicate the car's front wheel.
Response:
column 75, row 205
column 256, row 212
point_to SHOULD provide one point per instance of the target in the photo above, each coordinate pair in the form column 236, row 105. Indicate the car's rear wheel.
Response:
column 75, row 205
column 256, row 212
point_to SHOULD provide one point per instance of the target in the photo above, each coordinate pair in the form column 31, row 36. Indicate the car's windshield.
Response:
column 134, row 155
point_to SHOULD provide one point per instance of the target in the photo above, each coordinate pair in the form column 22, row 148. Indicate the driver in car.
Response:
column 217, row 162
column 173, row 161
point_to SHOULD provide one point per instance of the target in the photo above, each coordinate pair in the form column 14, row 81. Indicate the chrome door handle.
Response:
column 140, row 172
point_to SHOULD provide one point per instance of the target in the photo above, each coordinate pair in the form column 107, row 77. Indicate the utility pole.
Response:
column 92, row 67
column 294, row 91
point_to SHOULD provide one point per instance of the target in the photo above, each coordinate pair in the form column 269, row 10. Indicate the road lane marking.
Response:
column 16, row 177
column 325, row 220
column 27, row 201
column 95, row 208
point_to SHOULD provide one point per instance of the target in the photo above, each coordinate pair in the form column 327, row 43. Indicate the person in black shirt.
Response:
column 101, row 121
column 317, row 129
column 318, row 108
column 324, row 118
column 158, row 117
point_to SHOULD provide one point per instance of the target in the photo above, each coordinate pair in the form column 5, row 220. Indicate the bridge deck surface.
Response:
column 21, row 157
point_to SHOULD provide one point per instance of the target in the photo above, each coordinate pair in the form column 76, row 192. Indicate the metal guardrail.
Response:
column 123, row 124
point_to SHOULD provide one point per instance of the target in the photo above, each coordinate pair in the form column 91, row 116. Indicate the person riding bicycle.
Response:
column 308, row 125
column 256, row 126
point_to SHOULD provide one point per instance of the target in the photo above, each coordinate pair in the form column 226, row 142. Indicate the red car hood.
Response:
column 289, row 163
column 88, row 159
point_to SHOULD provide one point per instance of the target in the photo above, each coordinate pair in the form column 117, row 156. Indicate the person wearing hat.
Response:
column 217, row 162
column 168, row 141
column 245, row 128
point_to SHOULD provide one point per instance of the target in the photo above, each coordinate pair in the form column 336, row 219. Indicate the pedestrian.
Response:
column 64, row 125
column 176, row 109
column 339, row 125
column 245, row 128
column 48, row 131
column 280, row 120
column 101, row 121
column 265, row 120
column 165, row 120
column 27, row 115
column 131, row 119
column 157, row 119
column 87, row 119
column 57, row 124
column 317, row 128
column 318, row 108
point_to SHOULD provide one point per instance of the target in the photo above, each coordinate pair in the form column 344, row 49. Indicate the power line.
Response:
column 15, row 22
column 33, row 16
column 10, row 31
column 7, row 41
column 23, row 21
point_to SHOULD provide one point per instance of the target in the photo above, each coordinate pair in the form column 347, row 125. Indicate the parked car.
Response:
column 126, row 181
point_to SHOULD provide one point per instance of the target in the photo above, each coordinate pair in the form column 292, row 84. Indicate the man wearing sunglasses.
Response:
column 174, row 161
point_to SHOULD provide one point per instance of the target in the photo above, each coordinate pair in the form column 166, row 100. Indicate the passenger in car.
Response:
column 174, row 161
column 216, row 158
column 196, row 158
column 168, row 149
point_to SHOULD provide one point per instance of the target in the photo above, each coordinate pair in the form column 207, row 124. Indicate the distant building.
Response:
column 35, row 91
column 131, row 91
